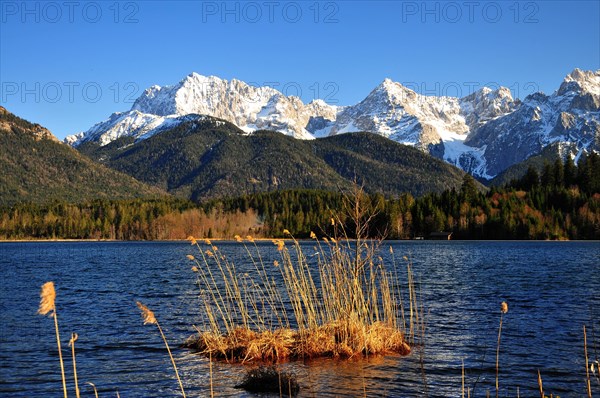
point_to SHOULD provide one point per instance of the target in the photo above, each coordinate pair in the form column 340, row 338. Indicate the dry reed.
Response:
column 74, row 337
column 95, row 389
column 587, row 369
column 149, row 318
column 47, row 304
column 503, row 310
column 347, row 304
column 540, row 384
column 462, row 378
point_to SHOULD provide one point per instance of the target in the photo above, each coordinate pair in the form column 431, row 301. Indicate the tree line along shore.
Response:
column 560, row 202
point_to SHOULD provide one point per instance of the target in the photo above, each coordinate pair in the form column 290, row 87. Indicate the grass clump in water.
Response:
column 341, row 303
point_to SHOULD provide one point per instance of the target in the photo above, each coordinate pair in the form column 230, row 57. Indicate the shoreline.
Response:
column 42, row 240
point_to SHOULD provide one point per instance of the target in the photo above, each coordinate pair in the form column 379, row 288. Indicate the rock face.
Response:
column 570, row 116
column 250, row 108
column 483, row 133
column 11, row 123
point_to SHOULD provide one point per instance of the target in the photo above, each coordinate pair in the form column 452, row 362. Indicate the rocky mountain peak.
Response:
column 486, row 104
column 581, row 82
column 393, row 92
column 472, row 132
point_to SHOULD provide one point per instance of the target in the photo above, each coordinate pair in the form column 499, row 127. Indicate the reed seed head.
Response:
column 207, row 241
column 147, row 314
column 313, row 235
column 279, row 243
column 238, row 238
column 332, row 221
column 391, row 250
column 209, row 253
column 276, row 263
column 190, row 257
column 504, row 307
column 250, row 238
column 192, row 239
column 286, row 232
column 48, row 296
column 194, row 269
column 74, row 337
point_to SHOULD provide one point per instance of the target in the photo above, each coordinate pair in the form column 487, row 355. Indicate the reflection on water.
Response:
column 551, row 288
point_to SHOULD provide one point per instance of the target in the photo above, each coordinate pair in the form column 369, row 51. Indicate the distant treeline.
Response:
column 562, row 201
column 157, row 219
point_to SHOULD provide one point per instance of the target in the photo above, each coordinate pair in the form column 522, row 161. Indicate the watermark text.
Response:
column 71, row 92
column 69, row 11
column 470, row 11
column 270, row 11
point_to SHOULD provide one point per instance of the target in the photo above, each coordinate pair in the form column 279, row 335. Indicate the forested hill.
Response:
column 205, row 158
column 563, row 202
column 36, row 167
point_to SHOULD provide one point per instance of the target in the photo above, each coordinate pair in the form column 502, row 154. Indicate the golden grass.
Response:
column 332, row 340
column 343, row 304
column 47, row 298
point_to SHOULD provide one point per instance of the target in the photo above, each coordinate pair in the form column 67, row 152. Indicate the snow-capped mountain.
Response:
column 438, row 125
column 570, row 117
column 250, row 108
column 483, row 133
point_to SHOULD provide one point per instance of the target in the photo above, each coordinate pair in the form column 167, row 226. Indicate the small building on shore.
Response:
column 440, row 236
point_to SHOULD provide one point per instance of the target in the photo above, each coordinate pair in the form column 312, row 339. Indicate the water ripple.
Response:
column 550, row 288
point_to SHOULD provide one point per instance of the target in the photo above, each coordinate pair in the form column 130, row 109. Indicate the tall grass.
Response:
column 342, row 303
column 47, row 305
column 150, row 318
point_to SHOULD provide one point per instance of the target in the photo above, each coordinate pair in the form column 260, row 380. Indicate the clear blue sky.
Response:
column 69, row 65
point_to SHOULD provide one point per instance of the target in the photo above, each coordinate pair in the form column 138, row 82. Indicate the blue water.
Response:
column 552, row 288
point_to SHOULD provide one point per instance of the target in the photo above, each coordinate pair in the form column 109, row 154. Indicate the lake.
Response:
column 552, row 288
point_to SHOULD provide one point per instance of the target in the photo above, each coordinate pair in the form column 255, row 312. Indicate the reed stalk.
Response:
column 503, row 310
column 587, row 366
column 210, row 371
column 47, row 304
column 94, row 387
column 74, row 337
column 463, row 379
column 150, row 318
column 540, row 384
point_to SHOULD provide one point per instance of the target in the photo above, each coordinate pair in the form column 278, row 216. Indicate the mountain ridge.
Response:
column 484, row 132
column 36, row 167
